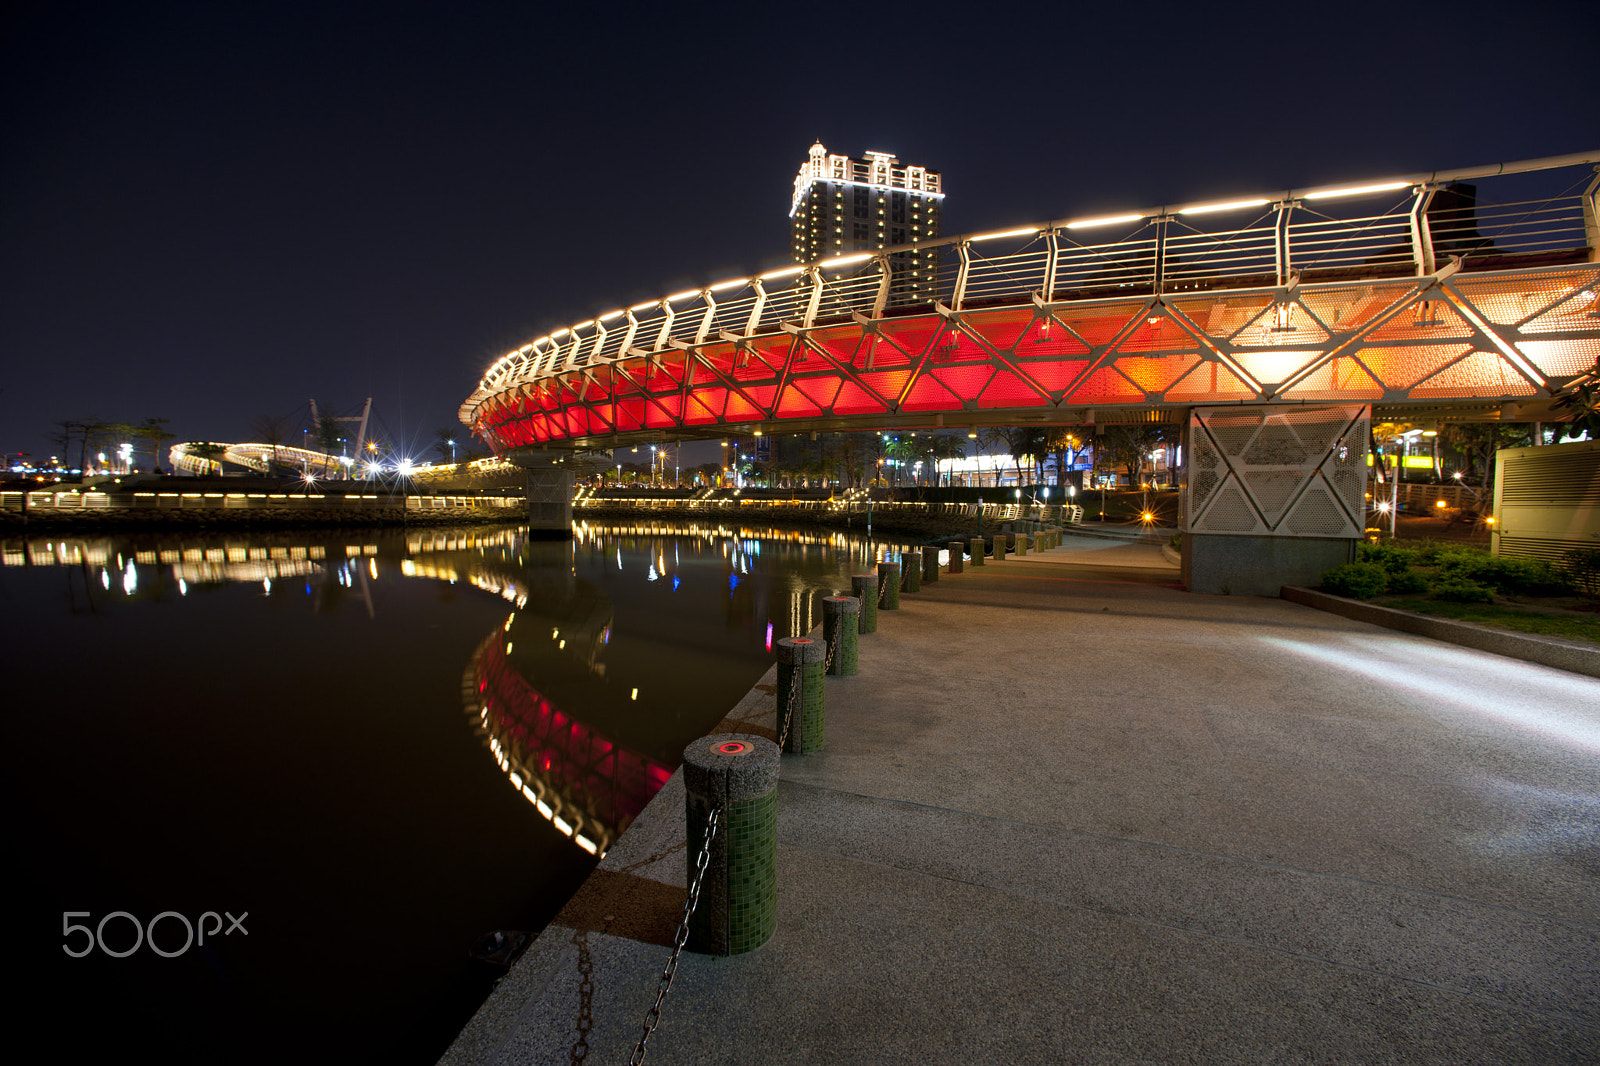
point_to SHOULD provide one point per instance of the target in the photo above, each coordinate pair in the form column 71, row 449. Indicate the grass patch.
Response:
column 1521, row 620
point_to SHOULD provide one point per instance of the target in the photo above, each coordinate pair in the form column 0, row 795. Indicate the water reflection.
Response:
column 329, row 670
column 585, row 729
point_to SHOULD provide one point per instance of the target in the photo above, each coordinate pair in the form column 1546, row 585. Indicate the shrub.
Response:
column 1360, row 581
column 1506, row 574
column 1428, row 553
column 1460, row 590
column 1393, row 559
column 1581, row 568
column 1528, row 577
column 1408, row 581
column 1459, row 561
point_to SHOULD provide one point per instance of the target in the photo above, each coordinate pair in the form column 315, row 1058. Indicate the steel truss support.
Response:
column 1449, row 336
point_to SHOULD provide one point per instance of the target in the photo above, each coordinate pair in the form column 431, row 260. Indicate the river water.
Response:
column 340, row 757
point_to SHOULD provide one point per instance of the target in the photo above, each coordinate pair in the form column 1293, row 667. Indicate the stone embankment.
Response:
column 916, row 521
column 29, row 511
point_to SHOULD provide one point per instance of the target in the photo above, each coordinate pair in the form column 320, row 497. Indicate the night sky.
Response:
column 213, row 212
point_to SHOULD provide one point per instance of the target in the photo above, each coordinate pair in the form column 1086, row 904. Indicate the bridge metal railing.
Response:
column 1546, row 214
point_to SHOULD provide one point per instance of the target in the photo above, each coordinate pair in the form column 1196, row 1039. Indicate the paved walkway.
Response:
column 1071, row 814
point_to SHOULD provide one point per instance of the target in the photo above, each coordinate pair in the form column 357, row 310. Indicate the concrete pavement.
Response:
column 1070, row 813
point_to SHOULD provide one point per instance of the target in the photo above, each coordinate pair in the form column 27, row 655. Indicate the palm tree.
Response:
column 902, row 450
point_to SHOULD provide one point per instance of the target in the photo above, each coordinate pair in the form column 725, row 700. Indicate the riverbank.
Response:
column 917, row 521
column 207, row 508
column 1069, row 812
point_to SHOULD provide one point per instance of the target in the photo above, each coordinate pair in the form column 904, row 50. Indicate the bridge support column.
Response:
column 1259, row 566
column 549, row 498
column 1273, row 495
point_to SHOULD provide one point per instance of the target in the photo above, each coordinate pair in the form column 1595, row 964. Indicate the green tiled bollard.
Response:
column 930, row 564
column 889, row 585
column 841, row 621
column 911, row 571
column 958, row 552
column 800, row 695
column 978, row 551
column 1022, row 545
column 865, row 589
column 738, row 773
column 999, row 547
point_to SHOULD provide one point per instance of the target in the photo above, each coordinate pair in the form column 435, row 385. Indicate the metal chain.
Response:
column 652, row 1017
column 833, row 644
column 796, row 677
column 883, row 589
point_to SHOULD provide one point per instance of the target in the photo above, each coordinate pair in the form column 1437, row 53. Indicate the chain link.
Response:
column 883, row 589
column 827, row 667
column 652, row 1017
column 786, row 720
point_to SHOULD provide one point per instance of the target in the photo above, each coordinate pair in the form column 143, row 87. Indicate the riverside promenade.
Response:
column 1069, row 813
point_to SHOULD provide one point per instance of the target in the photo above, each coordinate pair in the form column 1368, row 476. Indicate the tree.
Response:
column 1480, row 440
column 941, row 448
column 994, row 440
column 1580, row 403
column 272, row 430
column 1128, row 444
column 851, row 455
column 88, row 434
column 904, row 452
column 445, row 445
column 153, row 433
column 328, row 439
column 1064, row 444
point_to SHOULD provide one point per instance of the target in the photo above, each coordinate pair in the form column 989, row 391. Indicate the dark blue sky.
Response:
column 212, row 212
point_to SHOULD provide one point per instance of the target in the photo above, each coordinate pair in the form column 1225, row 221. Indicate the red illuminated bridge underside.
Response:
column 595, row 785
column 1475, row 339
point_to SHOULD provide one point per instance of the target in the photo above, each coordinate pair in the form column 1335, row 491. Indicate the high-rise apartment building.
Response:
column 843, row 205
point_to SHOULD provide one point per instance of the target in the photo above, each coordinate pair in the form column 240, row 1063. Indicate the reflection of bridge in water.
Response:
column 589, row 786
column 538, row 687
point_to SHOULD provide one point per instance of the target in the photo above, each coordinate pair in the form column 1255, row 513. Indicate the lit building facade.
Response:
column 843, row 205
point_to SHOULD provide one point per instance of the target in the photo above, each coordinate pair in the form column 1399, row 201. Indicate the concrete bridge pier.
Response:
column 549, row 494
column 1273, row 495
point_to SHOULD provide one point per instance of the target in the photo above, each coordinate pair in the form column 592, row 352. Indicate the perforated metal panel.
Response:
column 1291, row 471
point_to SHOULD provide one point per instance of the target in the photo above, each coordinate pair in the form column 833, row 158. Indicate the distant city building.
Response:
column 843, row 205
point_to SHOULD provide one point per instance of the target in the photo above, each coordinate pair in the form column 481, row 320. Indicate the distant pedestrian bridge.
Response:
column 199, row 458
column 1469, row 294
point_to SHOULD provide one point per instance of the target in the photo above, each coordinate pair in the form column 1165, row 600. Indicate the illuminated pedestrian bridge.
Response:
column 1464, row 294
